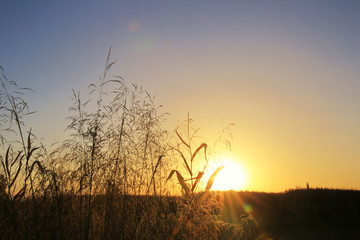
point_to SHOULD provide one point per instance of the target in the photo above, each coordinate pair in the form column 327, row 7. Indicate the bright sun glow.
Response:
column 231, row 177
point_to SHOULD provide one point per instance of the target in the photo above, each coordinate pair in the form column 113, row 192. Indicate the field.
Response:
column 295, row 214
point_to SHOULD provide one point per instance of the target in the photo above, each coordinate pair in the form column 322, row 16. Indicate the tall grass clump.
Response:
column 116, row 150
column 19, row 168
column 196, row 218
column 85, row 187
column 118, row 175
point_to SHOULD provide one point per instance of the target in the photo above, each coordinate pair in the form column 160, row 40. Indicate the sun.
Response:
column 231, row 177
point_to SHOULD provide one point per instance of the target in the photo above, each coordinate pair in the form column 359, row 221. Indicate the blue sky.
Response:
column 286, row 72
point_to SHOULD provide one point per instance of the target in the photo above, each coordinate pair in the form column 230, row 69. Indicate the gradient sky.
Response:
column 285, row 72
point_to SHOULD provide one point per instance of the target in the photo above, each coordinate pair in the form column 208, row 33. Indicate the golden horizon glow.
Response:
column 231, row 177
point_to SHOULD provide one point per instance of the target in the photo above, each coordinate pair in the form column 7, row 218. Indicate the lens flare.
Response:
column 134, row 26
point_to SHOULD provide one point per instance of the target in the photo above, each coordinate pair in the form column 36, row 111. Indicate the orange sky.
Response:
column 285, row 73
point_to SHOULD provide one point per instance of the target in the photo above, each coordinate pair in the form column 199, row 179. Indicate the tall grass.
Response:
column 112, row 178
column 18, row 167
column 196, row 204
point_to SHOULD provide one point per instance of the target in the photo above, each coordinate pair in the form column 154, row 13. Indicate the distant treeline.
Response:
column 298, row 214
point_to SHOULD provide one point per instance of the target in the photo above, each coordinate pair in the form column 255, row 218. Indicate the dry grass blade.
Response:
column 154, row 171
column 32, row 150
column 182, row 140
column 181, row 180
column 3, row 164
column 17, row 173
column 7, row 161
column 29, row 142
column 109, row 66
column 204, row 145
column 170, row 175
column 212, row 178
column 108, row 56
column 41, row 168
column 17, row 157
column 198, row 177
column 186, row 164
